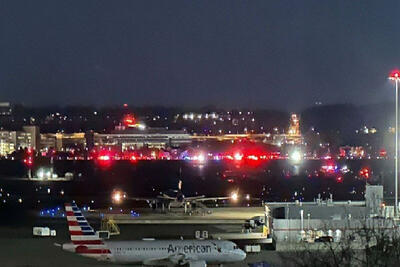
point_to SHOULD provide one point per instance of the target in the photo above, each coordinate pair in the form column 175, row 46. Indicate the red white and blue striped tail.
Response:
column 83, row 237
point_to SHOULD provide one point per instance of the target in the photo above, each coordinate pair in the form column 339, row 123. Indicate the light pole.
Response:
column 395, row 76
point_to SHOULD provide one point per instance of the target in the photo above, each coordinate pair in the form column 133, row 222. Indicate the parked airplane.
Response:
column 172, row 198
column 194, row 253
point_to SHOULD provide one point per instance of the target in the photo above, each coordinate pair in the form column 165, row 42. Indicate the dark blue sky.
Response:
column 266, row 54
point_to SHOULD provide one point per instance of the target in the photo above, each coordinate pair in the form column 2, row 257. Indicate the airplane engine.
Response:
column 197, row 264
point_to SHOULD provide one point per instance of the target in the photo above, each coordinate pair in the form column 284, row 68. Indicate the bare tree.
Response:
column 373, row 243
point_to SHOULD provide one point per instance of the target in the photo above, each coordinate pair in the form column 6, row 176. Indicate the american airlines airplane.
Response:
column 193, row 253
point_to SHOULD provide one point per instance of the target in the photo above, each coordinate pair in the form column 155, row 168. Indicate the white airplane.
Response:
column 172, row 198
column 193, row 253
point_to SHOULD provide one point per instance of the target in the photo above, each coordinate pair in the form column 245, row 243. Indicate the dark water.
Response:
column 276, row 180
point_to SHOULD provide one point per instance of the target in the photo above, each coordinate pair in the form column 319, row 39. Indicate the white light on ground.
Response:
column 234, row 196
column 296, row 156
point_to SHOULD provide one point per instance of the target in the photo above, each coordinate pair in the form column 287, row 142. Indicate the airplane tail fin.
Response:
column 180, row 185
column 84, row 240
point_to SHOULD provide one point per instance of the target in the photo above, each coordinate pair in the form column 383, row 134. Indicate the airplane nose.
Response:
column 242, row 254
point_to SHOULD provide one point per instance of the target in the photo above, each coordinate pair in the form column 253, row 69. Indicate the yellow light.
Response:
column 117, row 197
column 234, row 196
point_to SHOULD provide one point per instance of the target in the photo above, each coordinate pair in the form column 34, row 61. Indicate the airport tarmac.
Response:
column 19, row 248
column 223, row 215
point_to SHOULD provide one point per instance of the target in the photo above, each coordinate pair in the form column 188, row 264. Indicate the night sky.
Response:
column 257, row 54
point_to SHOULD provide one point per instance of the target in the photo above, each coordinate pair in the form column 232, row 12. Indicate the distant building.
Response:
column 133, row 138
column 5, row 109
column 62, row 141
column 13, row 140
column 292, row 136
column 7, row 142
column 34, row 132
column 121, row 139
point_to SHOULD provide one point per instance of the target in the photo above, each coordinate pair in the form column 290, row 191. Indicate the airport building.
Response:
column 120, row 139
column 134, row 138
column 62, row 141
column 292, row 222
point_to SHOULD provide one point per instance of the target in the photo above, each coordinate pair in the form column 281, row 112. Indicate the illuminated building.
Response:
column 7, row 142
column 12, row 140
column 62, row 141
column 293, row 135
column 294, row 127
column 132, row 138
column 34, row 133
column 5, row 109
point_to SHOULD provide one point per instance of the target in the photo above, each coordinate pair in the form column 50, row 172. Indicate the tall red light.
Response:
column 129, row 120
column 394, row 75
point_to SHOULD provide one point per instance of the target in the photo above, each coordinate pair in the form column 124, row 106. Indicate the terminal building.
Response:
column 135, row 138
column 120, row 139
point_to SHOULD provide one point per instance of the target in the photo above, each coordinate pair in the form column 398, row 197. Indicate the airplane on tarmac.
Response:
column 172, row 199
column 193, row 253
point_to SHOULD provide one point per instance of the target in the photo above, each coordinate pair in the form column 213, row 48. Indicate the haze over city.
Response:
column 265, row 54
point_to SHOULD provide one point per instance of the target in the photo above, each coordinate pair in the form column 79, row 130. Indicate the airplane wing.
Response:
column 148, row 199
column 203, row 198
column 165, row 196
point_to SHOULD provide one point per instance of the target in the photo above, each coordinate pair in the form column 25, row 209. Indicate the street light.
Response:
column 395, row 76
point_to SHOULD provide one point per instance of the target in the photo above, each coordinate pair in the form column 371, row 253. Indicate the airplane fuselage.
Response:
column 210, row 251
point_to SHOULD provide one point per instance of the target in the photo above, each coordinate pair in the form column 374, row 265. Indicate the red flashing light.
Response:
column 253, row 157
column 133, row 158
column 104, row 158
column 365, row 172
column 394, row 75
column 28, row 161
column 129, row 120
column 339, row 179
